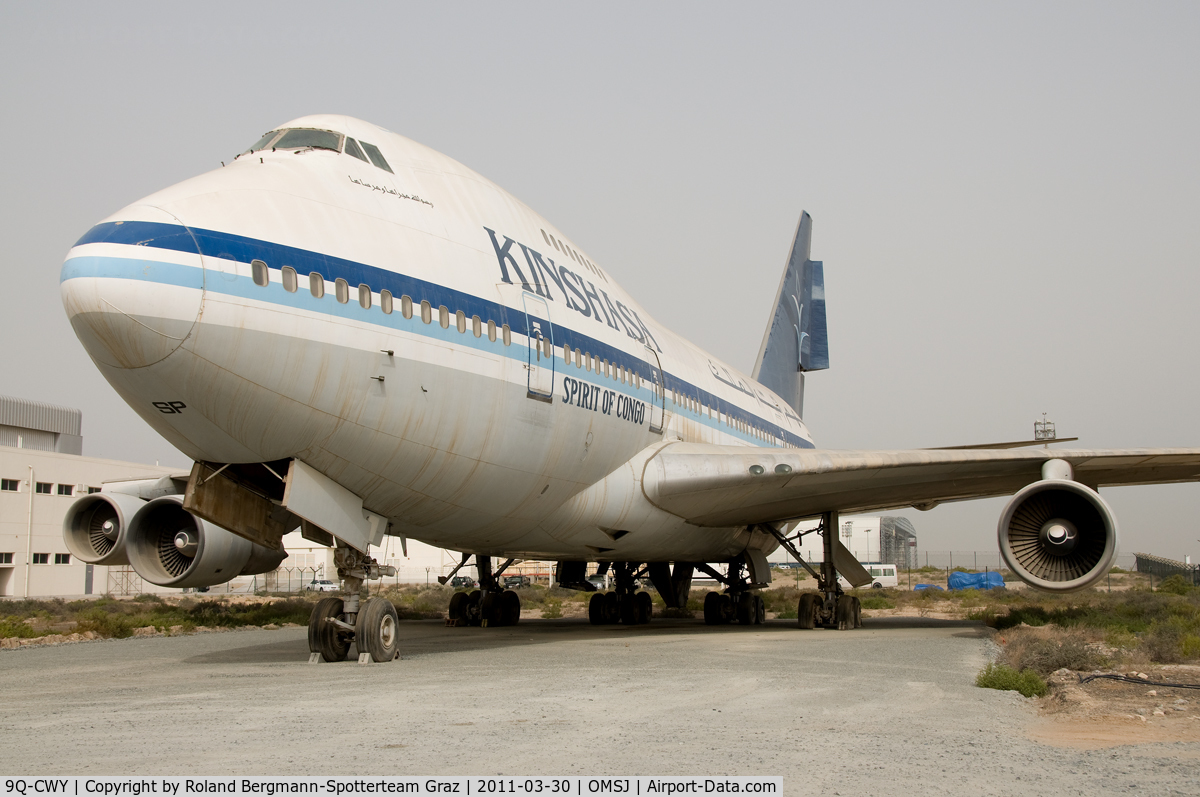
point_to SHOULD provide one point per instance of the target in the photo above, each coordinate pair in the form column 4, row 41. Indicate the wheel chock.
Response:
column 365, row 658
column 314, row 658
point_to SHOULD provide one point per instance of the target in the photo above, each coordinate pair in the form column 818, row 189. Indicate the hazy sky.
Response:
column 1005, row 195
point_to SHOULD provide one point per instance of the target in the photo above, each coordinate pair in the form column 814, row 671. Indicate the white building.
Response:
column 886, row 539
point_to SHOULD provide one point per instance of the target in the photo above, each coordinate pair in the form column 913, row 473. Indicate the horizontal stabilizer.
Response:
column 796, row 340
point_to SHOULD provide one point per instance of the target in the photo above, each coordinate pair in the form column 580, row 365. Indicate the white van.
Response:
column 881, row 576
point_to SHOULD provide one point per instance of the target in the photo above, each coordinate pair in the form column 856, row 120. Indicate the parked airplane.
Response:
column 355, row 335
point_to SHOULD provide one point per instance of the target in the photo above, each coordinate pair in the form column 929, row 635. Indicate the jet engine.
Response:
column 1058, row 535
column 171, row 547
column 96, row 526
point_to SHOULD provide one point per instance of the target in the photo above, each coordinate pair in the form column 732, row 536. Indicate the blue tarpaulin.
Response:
column 926, row 586
column 989, row 580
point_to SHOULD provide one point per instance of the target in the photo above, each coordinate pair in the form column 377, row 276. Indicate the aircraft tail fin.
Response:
column 796, row 339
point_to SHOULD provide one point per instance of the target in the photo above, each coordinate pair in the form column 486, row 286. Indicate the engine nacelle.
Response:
column 1058, row 535
column 95, row 528
column 171, row 547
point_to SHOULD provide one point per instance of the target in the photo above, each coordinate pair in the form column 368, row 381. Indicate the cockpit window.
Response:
column 376, row 156
column 300, row 138
column 352, row 149
column 263, row 142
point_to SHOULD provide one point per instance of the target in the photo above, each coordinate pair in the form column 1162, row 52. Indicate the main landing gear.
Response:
column 371, row 624
column 739, row 602
column 624, row 604
column 487, row 606
column 830, row 607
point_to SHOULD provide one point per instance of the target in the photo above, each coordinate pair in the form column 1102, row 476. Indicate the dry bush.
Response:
column 1049, row 648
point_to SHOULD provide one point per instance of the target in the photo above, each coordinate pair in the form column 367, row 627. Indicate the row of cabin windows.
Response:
column 599, row 366
column 341, row 292
column 571, row 253
column 698, row 407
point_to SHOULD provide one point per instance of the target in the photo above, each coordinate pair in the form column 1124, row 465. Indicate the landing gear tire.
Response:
column 712, row 608
column 324, row 637
column 746, row 610
column 489, row 609
column 727, row 609
column 458, row 606
column 510, row 608
column 760, row 610
column 612, row 607
column 629, row 612
column 376, row 631
column 596, row 612
column 806, row 610
column 645, row 607
column 857, row 612
column 845, row 613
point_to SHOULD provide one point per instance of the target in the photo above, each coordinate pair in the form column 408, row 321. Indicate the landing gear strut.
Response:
column 738, row 602
column 488, row 606
column 830, row 607
column 372, row 625
column 623, row 605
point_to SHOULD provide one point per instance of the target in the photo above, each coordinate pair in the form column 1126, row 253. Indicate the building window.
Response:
column 93, row 490
column 10, row 485
column 5, row 558
column 44, row 488
column 62, row 558
column 41, row 558
column 290, row 281
column 66, row 489
column 258, row 270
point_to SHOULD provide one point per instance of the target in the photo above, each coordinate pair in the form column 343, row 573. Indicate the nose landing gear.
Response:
column 372, row 625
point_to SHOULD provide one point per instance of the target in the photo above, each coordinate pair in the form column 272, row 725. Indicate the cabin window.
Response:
column 476, row 326
column 364, row 296
column 316, row 284
column 587, row 358
column 605, row 364
column 444, row 316
column 290, row 282
column 578, row 358
column 426, row 311
column 406, row 306
column 376, row 156
column 567, row 355
column 460, row 321
column 548, row 348
column 341, row 290
column 301, row 138
column 385, row 301
column 507, row 334
column 491, row 330
column 352, row 148
column 258, row 271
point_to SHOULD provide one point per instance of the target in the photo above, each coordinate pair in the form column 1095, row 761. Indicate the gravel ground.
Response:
column 889, row 709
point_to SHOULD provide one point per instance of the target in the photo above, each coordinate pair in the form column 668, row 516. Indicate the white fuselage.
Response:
column 499, row 446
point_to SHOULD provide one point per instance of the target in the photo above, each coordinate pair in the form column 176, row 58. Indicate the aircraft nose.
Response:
column 133, row 287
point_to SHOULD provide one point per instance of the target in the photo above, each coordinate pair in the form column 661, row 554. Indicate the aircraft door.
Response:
column 658, row 384
column 540, row 342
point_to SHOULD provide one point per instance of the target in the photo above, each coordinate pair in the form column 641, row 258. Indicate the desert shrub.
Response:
column 552, row 609
column 1164, row 642
column 147, row 597
column 105, row 623
column 1175, row 585
column 1053, row 650
column 876, row 602
column 1005, row 678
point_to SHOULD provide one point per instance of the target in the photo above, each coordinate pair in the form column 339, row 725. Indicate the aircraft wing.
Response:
column 713, row 485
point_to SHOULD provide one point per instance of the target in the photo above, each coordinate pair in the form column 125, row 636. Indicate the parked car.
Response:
column 600, row 582
column 462, row 582
column 321, row 585
column 513, row 582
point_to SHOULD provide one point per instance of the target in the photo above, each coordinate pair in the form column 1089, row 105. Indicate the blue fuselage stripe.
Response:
column 225, row 246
